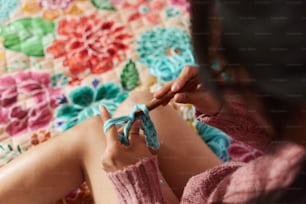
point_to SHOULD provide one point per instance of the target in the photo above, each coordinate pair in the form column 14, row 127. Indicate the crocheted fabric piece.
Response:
column 165, row 51
column 147, row 126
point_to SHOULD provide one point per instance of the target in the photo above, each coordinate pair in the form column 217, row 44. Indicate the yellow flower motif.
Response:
column 33, row 6
column 2, row 55
column 73, row 10
column 51, row 15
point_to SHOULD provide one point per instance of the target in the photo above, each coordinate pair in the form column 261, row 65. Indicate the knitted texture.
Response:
column 272, row 172
column 201, row 186
column 138, row 183
column 147, row 126
column 238, row 122
column 232, row 182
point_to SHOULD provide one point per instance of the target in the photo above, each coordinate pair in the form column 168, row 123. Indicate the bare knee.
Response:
column 88, row 135
column 138, row 96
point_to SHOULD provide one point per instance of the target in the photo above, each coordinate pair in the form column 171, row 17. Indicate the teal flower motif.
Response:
column 172, row 12
column 143, row 9
column 7, row 7
column 165, row 51
column 85, row 102
column 59, row 80
column 217, row 140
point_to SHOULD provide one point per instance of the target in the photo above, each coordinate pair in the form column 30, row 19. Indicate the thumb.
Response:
column 184, row 98
column 192, row 98
column 111, row 135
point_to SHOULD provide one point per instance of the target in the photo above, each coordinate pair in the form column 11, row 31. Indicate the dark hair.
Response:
column 267, row 38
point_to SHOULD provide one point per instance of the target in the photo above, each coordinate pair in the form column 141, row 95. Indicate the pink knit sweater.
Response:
column 231, row 182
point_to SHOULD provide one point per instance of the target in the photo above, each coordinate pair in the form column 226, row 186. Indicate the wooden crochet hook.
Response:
column 192, row 82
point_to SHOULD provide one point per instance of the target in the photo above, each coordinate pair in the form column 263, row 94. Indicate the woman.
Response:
column 267, row 38
column 184, row 168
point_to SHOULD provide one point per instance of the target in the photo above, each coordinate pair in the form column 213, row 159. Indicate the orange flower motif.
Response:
column 89, row 43
column 40, row 137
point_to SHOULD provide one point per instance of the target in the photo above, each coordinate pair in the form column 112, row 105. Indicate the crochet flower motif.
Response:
column 40, row 137
column 41, row 99
column 85, row 102
column 6, row 8
column 55, row 4
column 149, row 10
column 59, row 80
column 52, row 9
column 165, row 51
column 181, row 3
column 89, row 43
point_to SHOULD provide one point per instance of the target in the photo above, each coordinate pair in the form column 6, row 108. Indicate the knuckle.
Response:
column 187, row 69
column 191, row 71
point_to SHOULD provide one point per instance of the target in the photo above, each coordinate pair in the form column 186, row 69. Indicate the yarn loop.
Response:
column 147, row 126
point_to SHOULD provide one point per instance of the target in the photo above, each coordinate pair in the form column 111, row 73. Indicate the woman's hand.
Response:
column 203, row 100
column 118, row 156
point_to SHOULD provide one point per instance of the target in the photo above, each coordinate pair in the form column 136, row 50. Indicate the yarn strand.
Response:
column 147, row 126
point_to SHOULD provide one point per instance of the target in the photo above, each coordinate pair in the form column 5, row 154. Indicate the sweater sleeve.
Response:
column 200, row 187
column 238, row 122
column 138, row 183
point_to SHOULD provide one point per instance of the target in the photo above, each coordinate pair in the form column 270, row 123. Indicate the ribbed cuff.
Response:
column 138, row 183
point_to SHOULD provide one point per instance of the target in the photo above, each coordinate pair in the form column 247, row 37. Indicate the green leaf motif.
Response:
column 129, row 76
column 103, row 4
column 28, row 35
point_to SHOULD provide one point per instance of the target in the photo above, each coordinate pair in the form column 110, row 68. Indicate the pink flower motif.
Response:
column 55, row 4
column 144, row 8
column 242, row 152
column 89, row 43
column 8, row 91
column 35, row 87
column 181, row 3
column 37, row 84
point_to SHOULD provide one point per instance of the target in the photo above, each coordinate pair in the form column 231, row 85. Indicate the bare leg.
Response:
column 50, row 170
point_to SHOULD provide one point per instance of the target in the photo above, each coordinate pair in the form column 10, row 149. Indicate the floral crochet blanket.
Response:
column 61, row 59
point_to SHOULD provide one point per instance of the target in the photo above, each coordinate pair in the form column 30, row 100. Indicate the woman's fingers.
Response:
column 160, row 93
column 188, row 97
column 187, row 73
column 134, row 132
column 111, row 134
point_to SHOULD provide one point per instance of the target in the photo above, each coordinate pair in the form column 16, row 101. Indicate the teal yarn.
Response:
column 217, row 140
column 147, row 126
